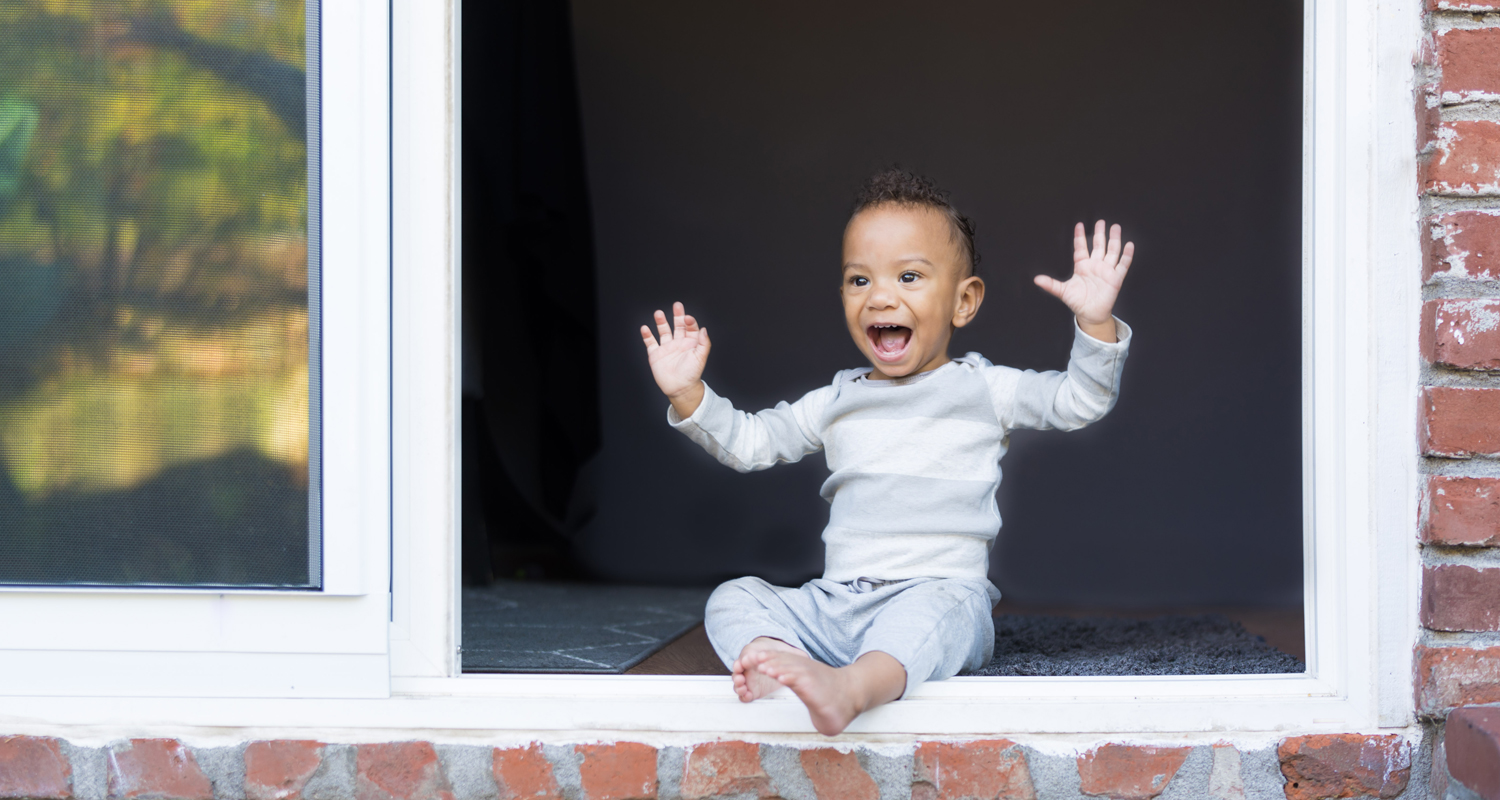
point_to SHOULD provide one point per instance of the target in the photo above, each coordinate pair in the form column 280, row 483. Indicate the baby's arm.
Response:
column 1088, row 389
column 746, row 442
column 1063, row 400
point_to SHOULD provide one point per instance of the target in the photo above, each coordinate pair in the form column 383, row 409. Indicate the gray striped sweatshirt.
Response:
column 915, row 461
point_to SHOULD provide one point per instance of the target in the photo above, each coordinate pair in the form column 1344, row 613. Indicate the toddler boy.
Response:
column 913, row 442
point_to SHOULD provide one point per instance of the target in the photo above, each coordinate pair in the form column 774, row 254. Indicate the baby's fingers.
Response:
column 1112, row 254
column 662, row 329
column 1080, row 243
column 650, row 340
column 1050, row 285
column 1125, row 259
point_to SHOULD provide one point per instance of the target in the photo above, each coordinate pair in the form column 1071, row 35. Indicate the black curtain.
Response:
column 531, row 407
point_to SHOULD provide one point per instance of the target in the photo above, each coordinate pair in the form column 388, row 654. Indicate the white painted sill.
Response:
column 969, row 706
column 1360, row 301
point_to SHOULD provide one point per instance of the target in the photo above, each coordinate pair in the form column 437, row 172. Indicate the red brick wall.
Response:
column 1457, row 662
column 1459, row 113
column 1299, row 767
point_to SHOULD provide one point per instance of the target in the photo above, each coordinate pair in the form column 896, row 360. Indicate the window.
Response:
column 65, row 647
column 1348, row 541
column 161, row 208
column 165, row 421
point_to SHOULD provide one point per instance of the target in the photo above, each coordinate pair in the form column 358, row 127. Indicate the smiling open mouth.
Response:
column 889, row 341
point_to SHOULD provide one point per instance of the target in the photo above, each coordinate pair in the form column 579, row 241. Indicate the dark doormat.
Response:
column 525, row 626
column 1204, row 644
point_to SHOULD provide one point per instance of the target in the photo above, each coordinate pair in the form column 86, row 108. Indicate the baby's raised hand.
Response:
column 677, row 361
column 1090, row 293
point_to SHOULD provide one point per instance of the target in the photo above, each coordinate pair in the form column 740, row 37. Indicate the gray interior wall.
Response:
column 724, row 143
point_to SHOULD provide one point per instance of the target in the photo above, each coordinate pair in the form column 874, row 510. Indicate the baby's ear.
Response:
column 970, row 297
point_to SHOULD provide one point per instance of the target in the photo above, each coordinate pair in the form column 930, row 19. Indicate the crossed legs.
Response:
column 844, row 650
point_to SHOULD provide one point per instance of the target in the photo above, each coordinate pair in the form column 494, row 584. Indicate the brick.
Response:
column 1462, row 333
column 1449, row 677
column 1465, row 159
column 399, row 771
column 1429, row 113
column 990, row 769
column 1460, row 422
column 618, row 771
column 278, row 770
column 724, row 768
column 1471, row 742
column 1327, row 766
column 162, row 769
column 1463, row 5
column 838, row 776
column 34, row 767
column 525, row 772
column 1464, row 245
column 1470, row 64
column 1462, row 512
column 1129, row 772
column 1460, row 598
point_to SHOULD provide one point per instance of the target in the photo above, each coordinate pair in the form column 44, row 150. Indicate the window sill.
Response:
column 492, row 706
column 956, row 706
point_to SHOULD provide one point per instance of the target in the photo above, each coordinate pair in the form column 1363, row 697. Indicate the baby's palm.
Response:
column 677, row 362
column 1097, row 276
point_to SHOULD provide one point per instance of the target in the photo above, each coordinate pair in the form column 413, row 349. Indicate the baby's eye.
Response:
column 859, row 280
column 908, row 277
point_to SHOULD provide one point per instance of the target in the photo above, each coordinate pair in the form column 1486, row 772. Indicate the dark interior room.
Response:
column 618, row 157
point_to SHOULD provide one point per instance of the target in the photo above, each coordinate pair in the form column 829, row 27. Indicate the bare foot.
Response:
column 749, row 682
column 835, row 696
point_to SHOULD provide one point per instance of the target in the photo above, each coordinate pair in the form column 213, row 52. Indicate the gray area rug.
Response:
column 522, row 626
column 1209, row 644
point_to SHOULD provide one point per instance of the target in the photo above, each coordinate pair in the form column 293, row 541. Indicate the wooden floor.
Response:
column 691, row 654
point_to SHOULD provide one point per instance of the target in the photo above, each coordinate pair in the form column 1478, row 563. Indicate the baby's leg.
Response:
column 834, row 696
column 912, row 631
column 935, row 628
column 749, row 620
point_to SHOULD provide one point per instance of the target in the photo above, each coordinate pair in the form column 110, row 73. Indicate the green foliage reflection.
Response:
column 153, row 290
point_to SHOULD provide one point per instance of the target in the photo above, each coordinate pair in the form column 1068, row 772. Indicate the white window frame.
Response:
column 1361, row 300
column 1360, row 381
column 224, row 642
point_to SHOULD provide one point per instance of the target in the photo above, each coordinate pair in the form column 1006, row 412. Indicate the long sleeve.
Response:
column 1063, row 400
column 750, row 442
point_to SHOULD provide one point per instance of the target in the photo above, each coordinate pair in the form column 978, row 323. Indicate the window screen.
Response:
column 158, row 293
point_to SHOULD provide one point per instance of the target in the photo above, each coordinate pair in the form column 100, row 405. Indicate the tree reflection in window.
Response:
column 154, row 306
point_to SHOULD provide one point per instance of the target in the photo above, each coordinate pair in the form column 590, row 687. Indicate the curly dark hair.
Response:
column 902, row 188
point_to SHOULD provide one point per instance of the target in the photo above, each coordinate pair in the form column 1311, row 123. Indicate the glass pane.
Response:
column 158, row 258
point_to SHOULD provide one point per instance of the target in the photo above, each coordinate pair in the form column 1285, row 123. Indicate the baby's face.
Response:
column 905, row 288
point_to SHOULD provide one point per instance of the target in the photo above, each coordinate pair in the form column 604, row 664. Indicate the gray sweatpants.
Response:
column 936, row 627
